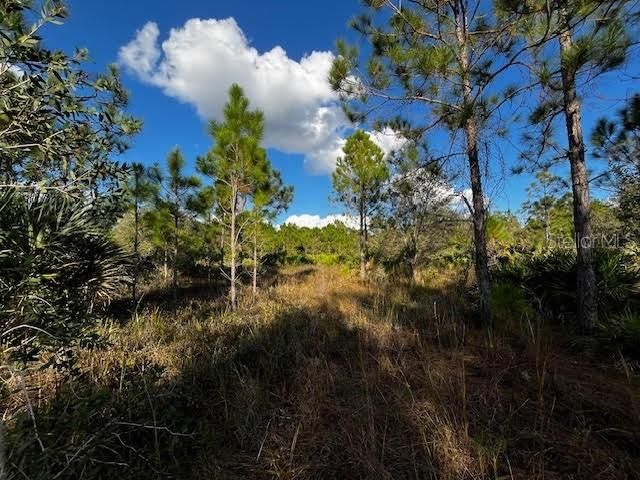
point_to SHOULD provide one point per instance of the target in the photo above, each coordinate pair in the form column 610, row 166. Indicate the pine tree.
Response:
column 618, row 142
column 358, row 182
column 175, row 188
column 448, row 59
column 142, row 189
column 543, row 194
column 583, row 40
column 419, row 203
column 239, row 166
column 159, row 223
column 205, row 204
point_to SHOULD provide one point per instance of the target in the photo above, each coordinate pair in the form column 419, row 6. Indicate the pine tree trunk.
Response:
column 136, row 242
column 175, row 259
column 471, row 133
column 586, row 278
column 165, row 267
column 363, row 243
column 255, row 261
column 232, row 247
column 479, row 227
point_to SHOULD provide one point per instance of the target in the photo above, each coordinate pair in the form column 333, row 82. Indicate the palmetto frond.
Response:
column 56, row 264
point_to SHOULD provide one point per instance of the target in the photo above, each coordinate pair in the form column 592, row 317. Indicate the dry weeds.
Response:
column 323, row 377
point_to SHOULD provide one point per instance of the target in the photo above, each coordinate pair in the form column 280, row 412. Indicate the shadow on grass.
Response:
column 292, row 275
column 213, row 293
column 440, row 315
column 292, row 399
column 161, row 296
column 308, row 395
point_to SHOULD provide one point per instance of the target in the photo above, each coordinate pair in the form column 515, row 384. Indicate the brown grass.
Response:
column 323, row 377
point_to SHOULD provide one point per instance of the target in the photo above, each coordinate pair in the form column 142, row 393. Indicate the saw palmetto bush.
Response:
column 57, row 268
column 550, row 281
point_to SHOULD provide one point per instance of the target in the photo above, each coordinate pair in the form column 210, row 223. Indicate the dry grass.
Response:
column 322, row 377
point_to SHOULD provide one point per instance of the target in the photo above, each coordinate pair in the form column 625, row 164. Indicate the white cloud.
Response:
column 316, row 221
column 199, row 61
column 141, row 55
column 388, row 140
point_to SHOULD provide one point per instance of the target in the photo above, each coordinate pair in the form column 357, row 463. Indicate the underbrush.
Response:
column 550, row 279
column 323, row 377
column 545, row 285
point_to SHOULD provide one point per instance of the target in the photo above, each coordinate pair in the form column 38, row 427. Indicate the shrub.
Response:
column 298, row 259
column 622, row 331
column 508, row 303
column 56, row 267
column 549, row 280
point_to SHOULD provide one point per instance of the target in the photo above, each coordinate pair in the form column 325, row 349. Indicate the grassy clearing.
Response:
column 321, row 377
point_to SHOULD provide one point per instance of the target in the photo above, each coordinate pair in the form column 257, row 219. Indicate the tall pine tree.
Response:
column 584, row 40
column 142, row 188
column 175, row 191
column 542, row 195
column 443, row 64
column 239, row 166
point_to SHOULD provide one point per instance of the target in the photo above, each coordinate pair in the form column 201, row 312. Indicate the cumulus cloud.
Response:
column 141, row 55
column 316, row 221
column 198, row 62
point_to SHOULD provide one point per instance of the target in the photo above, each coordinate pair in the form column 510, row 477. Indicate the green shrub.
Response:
column 332, row 259
column 326, row 259
column 622, row 332
column 509, row 303
column 56, row 267
column 298, row 259
column 549, row 280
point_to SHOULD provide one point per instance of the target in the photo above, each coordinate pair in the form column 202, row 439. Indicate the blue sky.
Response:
column 207, row 51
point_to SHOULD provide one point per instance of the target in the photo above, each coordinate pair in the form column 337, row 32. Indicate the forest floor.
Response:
column 323, row 377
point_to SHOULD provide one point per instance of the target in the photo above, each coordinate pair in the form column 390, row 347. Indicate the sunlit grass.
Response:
column 322, row 376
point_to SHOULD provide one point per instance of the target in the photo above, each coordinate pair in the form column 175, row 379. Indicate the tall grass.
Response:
column 323, row 377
